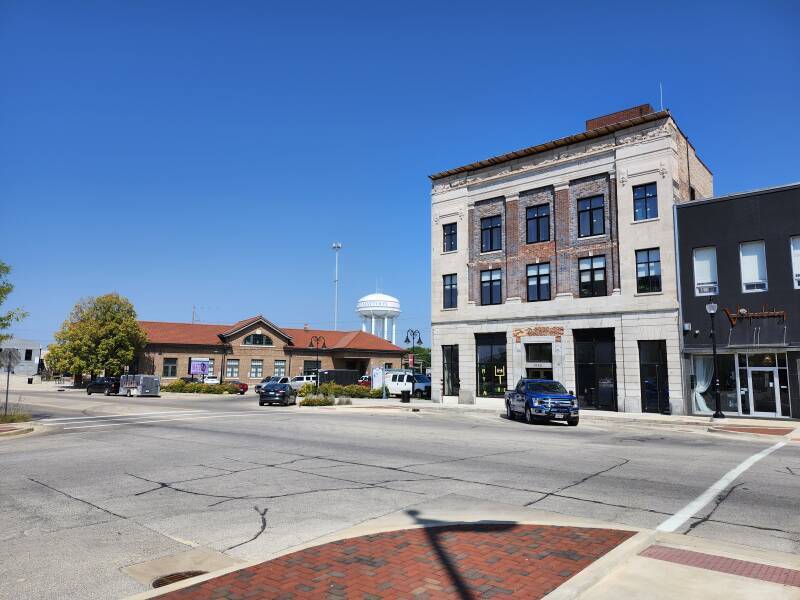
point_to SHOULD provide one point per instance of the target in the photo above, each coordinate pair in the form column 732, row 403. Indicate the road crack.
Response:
column 263, row 515
column 70, row 496
column 557, row 492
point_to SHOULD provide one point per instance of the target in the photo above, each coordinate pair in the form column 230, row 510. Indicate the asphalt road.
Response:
column 98, row 493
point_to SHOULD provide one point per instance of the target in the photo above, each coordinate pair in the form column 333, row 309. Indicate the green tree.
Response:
column 12, row 316
column 422, row 356
column 101, row 334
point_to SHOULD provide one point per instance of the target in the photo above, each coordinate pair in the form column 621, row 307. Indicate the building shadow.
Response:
column 435, row 528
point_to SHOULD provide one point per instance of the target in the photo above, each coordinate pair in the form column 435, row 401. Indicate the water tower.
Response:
column 381, row 309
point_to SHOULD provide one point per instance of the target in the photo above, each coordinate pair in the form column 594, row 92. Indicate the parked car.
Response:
column 300, row 380
column 399, row 381
column 422, row 386
column 365, row 381
column 273, row 379
column 243, row 387
column 542, row 400
column 277, row 393
column 211, row 380
column 103, row 385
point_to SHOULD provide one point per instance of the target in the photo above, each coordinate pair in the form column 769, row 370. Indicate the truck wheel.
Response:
column 573, row 422
column 509, row 413
column 528, row 415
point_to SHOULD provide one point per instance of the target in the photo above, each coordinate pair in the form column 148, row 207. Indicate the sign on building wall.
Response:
column 199, row 366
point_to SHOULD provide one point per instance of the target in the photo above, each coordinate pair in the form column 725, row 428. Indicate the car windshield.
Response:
column 546, row 387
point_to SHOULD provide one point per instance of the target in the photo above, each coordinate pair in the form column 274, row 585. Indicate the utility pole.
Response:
column 336, row 247
column 193, row 314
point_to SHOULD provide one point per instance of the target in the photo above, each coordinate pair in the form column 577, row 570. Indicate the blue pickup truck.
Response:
column 542, row 400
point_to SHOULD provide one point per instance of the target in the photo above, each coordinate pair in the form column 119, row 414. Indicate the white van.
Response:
column 297, row 382
column 399, row 381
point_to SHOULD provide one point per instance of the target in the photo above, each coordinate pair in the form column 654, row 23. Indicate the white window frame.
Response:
column 232, row 368
column 794, row 250
column 765, row 281
column 705, row 284
column 275, row 363
column 256, row 362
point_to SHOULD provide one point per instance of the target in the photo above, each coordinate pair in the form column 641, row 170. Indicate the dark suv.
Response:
column 103, row 385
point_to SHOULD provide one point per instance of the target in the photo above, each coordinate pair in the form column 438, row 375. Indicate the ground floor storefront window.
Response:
column 310, row 367
column 450, row 370
column 751, row 384
column 595, row 368
column 491, row 364
column 653, row 375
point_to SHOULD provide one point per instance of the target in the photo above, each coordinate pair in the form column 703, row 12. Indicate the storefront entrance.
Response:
column 491, row 364
column 764, row 397
column 595, row 368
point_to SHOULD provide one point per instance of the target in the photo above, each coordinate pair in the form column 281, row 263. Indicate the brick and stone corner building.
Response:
column 255, row 348
column 558, row 261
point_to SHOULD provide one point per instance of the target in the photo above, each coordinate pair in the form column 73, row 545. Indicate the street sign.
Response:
column 411, row 360
column 377, row 378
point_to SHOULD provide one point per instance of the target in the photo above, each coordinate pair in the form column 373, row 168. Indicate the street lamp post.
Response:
column 415, row 339
column 317, row 341
column 711, row 309
column 336, row 247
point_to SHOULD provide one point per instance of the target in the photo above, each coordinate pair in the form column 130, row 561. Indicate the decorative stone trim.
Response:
column 555, row 332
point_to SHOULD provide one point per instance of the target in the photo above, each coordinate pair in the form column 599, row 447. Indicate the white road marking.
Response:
column 688, row 511
column 120, row 416
column 216, row 416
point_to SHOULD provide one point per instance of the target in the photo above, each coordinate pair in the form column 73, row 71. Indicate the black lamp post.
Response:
column 415, row 339
column 711, row 309
column 317, row 341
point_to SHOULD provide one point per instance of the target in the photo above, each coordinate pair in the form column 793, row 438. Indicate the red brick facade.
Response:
column 619, row 116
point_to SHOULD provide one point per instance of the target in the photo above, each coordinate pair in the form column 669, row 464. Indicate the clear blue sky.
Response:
column 209, row 153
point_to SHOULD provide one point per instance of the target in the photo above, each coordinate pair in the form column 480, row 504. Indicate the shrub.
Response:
column 378, row 393
column 317, row 400
column 306, row 389
column 344, row 401
column 198, row 387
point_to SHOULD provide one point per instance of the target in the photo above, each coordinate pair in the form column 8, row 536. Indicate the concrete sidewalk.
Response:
column 457, row 547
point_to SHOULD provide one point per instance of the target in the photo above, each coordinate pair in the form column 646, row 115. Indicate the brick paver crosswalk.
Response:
column 451, row 561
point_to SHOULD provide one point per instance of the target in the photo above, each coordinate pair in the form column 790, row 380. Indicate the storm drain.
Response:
column 173, row 577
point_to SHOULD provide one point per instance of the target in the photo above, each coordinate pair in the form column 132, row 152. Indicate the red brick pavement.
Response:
column 724, row 564
column 754, row 429
column 451, row 561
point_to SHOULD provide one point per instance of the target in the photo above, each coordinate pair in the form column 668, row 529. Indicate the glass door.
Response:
column 764, row 398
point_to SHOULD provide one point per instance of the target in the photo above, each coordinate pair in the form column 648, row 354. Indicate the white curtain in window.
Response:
column 754, row 264
column 703, row 372
column 796, row 259
column 705, row 265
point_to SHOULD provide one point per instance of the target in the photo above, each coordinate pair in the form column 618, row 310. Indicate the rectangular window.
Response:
column 753, row 262
column 648, row 271
column 170, row 368
column 645, row 202
column 310, row 367
column 256, row 369
column 705, row 271
column 591, row 216
column 653, row 376
column 538, row 223
column 210, row 366
column 280, row 368
column 491, row 234
column 491, row 287
column 232, row 368
column 538, row 282
column 592, row 276
column 28, row 354
column 795, row 244
column 539, row 353
column 450, row 370
column 450, row 237
column 491, row 364
column 450, row 285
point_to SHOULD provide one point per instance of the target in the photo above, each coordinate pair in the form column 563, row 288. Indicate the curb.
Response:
column 19, row 431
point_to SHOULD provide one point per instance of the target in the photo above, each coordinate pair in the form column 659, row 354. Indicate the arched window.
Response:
column 257, row 339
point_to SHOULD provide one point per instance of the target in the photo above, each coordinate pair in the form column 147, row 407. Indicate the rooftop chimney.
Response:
column 622, row 115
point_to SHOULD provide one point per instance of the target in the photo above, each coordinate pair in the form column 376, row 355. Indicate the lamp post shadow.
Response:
column 435, row 528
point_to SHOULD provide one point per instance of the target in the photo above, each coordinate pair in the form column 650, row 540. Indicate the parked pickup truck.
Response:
column 542, row 400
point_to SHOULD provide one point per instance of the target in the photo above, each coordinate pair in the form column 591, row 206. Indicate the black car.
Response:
column 103, row 385
column 277, row 393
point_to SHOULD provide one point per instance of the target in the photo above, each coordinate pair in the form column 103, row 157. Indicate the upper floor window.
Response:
column 491, row 287
column 491, row 234
column 450, row 237
column 538, row 282
column 645, row 202
column 591, row 216
column 538, row 224
column 753, row 262
column 648, row 271
column 257, row 339
column 795, row 245
column 705, row 271
column 450, row 289
column 592, row 276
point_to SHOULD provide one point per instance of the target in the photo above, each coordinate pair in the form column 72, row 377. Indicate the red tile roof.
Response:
column 159, row 332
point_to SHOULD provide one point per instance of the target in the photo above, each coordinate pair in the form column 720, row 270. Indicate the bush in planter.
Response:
column 307, row 389
column 317, row 400
column 378, row 393
column 175, row 386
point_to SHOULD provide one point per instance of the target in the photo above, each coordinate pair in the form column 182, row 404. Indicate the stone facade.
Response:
column 648, row 150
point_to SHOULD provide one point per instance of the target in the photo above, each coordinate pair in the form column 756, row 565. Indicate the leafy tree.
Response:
column 6, row 318
column 422, row 356
column 101, row 334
